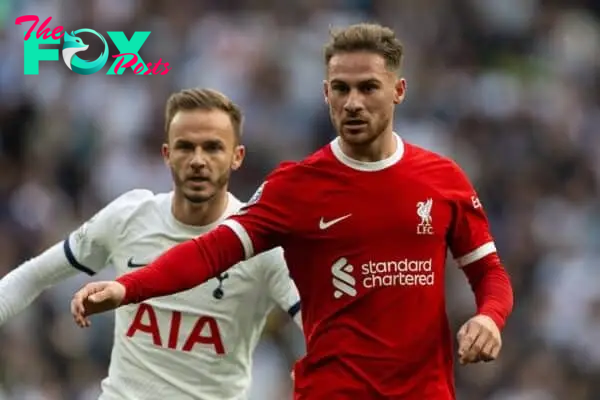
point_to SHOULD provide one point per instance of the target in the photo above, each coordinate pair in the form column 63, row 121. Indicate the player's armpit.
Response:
column 493, row 290
column 184, row 266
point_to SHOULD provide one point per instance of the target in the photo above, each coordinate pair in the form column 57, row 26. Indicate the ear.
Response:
column 238, row 157
column 165, row 151
column 400, row 90
column 326, row 91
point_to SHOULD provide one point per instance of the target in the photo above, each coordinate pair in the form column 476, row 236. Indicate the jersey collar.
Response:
column 368, row 166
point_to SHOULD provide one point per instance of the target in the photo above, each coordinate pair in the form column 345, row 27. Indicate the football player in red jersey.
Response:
column 365, row 223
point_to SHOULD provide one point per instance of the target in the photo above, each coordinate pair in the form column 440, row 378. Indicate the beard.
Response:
column 366, row 136
column 199, row 196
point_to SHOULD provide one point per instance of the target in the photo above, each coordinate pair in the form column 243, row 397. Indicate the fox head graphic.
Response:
column 72, row 45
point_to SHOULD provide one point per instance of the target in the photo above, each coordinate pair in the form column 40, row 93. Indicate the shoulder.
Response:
column 278, row 184
column 426, row 158
column 439, row 171
column 290, row 178
column 131, row 206
column 322, row 159
column 130, row 201
column 320, row 164
column 106, row 225
column 283, row 172
column 133, row 198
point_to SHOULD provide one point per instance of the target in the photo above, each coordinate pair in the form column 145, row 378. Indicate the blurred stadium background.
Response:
column 509, row 88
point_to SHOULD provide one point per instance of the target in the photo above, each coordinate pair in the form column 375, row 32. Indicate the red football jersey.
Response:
column 366, row 244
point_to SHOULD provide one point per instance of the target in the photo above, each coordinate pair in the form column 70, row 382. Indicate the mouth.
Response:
column 354, row 123
column 198, row 179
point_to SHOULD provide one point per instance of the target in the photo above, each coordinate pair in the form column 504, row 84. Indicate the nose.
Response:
column 198, row 160
column 353, row 104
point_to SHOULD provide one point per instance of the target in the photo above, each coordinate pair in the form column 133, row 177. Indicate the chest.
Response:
column 379, row 212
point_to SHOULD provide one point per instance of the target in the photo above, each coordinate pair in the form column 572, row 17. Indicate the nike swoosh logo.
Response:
column 131, row 264
column 324, row 225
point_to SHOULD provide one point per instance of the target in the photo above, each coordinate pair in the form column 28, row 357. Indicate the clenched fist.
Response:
column 479, row 339
column 94, row 298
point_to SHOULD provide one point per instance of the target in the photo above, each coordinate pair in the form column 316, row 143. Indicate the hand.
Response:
column 479, row 339
column 94, row 298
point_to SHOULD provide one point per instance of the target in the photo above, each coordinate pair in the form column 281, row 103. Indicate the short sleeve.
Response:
column 88, row 248
column 266, row 220
column 470, row 238
column 282, row 289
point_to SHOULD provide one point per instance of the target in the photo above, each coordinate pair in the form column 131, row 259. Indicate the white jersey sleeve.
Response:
column 282, row 289
column 24, row 284
column 89, row 247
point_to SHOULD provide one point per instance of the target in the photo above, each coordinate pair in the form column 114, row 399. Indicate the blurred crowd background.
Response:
column 508, row 88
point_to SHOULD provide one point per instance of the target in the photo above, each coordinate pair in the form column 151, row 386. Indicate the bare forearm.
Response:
column 184, row 266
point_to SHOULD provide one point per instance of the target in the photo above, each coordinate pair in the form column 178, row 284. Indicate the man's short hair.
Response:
column 366, row 37
column 203, row 99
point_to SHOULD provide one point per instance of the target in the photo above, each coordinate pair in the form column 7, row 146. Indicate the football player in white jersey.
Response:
column 196, row 344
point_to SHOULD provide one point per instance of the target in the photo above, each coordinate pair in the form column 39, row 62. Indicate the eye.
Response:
column 369, row 88
column 340, row 88
column 213, row 147
column 181, row 145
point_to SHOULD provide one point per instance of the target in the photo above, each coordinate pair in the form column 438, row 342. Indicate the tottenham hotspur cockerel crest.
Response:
column 424, row 212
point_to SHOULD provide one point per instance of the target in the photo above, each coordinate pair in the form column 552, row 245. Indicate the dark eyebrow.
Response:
column 367, row 81
column 180, row 141
column 208, row 142
column 214, row 142
column 372, row 81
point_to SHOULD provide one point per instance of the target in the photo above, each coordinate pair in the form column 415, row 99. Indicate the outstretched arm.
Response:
column 85, row 250
column 20, row 287
column 184, row 266
column 259, row 226
column 180, row 268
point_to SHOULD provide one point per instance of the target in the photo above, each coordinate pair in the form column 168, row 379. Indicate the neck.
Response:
column 199, row 214
column 379, row 149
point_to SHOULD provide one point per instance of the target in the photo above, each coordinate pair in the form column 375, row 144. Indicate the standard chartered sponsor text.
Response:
column 397, row 273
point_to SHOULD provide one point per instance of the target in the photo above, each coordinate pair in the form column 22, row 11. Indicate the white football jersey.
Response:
column 196, row 344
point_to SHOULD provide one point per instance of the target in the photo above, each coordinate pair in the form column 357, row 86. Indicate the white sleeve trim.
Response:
column 243, row 235
column 24, row 284
column 476, row 254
